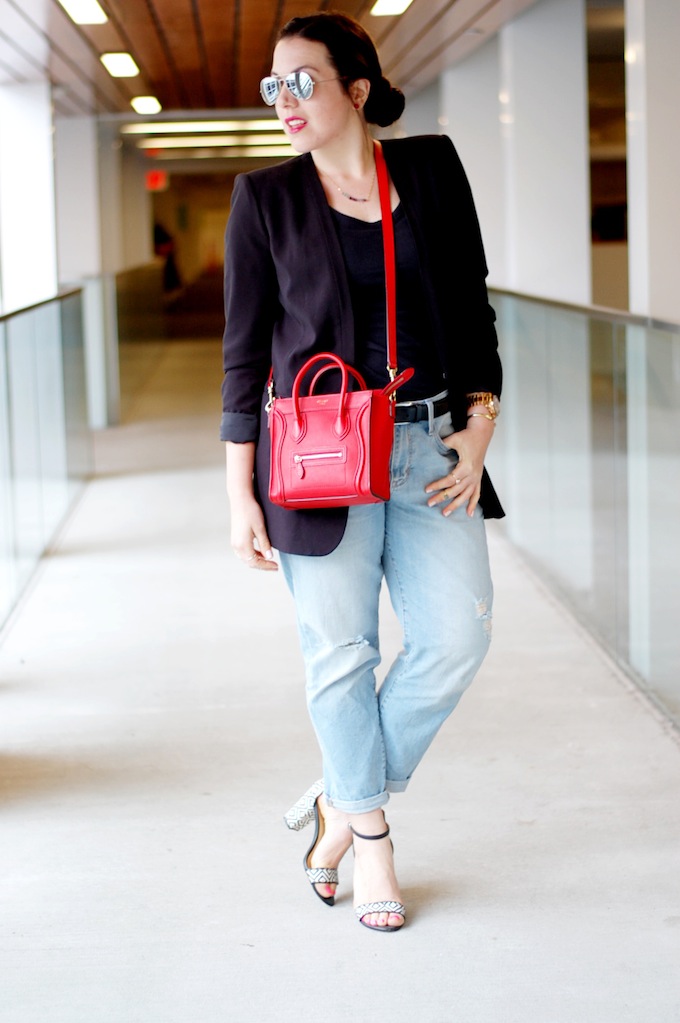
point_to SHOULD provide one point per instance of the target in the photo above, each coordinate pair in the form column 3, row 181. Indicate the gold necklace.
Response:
column 346, row 195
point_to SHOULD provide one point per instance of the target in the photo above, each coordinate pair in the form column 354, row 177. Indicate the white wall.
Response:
column 517, row 110
column 470, row 116
column 544, row 97
column 77, row 197
column 89, row 203
column 653, row 132
column 103, row 208
column 110, row 197
column 28, row 260
column 422, row 113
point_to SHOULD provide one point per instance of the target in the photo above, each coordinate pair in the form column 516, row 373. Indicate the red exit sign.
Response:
column 156, row 180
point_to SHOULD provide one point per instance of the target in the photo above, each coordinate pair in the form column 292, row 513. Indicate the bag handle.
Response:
column 350, row 369
column 390, row 263
column 388, row 390
column 336, row 363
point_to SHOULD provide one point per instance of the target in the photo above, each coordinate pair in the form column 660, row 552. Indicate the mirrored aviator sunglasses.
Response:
column 299, row 84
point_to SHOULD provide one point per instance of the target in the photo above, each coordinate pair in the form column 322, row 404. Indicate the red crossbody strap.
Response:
column 390, row 270
column 390, row 267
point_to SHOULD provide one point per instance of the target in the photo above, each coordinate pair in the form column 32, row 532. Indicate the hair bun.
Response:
column 385, row 103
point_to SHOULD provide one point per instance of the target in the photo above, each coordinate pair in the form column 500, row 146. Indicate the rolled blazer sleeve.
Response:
column 251, row 307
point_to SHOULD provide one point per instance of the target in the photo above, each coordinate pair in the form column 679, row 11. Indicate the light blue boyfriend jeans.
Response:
column 437, row 573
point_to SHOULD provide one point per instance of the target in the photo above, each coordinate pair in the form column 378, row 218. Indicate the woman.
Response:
column 304, row 274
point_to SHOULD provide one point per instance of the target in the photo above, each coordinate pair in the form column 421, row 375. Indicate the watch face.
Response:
column 495, row 405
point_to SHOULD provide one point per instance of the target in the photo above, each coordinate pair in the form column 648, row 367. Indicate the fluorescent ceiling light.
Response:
column 185, row 127
column 383, row 8
column 119, row 65
column 145, row 105
column 205, row 140
column 84, row 12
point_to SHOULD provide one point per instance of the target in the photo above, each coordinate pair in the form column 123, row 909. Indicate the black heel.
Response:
column 388, row 906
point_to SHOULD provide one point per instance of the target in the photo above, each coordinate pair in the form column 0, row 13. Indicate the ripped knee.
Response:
column 356, row 643
column 484, row 615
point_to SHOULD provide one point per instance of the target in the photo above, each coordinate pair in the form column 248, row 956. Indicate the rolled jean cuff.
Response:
column 397, row 785
column 359, row 805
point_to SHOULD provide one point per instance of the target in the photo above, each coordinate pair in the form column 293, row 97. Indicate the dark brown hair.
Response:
column 353, row 54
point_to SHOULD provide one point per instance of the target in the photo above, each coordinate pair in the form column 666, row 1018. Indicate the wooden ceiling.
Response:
column 203, row 55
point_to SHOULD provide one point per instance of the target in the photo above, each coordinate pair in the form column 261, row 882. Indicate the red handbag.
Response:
column 333, row 450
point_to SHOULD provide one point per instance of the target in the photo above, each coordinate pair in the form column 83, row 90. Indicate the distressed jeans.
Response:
column 437, row 573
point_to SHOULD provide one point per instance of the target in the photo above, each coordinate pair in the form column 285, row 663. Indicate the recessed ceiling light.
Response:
column 84, row 12
column 119, row 65
column 384, row 8
column 145, row 105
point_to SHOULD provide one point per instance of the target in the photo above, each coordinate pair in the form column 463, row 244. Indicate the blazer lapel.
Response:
column 339, row 281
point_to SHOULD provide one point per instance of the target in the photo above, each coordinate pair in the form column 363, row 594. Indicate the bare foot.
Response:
column 374, row 876
column 334, row 840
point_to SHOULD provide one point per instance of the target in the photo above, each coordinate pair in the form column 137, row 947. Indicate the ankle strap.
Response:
column 369, row 838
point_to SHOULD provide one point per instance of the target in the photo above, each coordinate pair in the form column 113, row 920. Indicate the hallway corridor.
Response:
column 153, row 732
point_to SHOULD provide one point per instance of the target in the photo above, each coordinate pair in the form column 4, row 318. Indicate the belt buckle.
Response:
column 409, row 411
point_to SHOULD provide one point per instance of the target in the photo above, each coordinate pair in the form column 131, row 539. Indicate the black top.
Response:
column 362, row 247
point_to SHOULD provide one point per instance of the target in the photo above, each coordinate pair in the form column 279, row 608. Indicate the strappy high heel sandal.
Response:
column 388, row 906
column 298, row 817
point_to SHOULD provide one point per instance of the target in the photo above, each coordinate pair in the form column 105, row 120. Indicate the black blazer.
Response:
column 287, row 296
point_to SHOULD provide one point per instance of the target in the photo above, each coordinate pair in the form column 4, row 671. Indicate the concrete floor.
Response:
column 153, row 732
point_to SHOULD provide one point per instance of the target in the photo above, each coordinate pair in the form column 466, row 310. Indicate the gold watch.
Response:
column 491, row 403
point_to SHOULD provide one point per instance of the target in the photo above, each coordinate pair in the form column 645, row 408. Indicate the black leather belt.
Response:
column 417, row 411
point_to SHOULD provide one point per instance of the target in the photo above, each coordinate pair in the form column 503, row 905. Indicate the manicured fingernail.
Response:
column 269, row 555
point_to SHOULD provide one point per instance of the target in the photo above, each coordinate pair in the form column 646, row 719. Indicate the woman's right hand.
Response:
column 249, row 538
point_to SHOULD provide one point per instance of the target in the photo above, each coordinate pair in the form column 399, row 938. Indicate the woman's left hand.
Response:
column 463, row 484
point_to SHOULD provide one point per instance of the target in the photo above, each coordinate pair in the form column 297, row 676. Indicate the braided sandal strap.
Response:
column 380, row 907
column 322, row 875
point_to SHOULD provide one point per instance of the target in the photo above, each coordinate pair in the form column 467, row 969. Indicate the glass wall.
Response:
column 587, row 461
column 45, row 452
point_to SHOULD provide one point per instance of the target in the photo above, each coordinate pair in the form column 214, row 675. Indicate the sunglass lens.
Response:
column 303, row 85
column 269, row 90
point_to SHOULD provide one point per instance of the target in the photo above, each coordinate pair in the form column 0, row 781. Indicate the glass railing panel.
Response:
column 543, row 462
column 654, row 510
column 8, row 584
column 51, row 417
column 25, row 454
column 45, row 452
column 606, row 603
column 587, row 463
column 78, row 437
